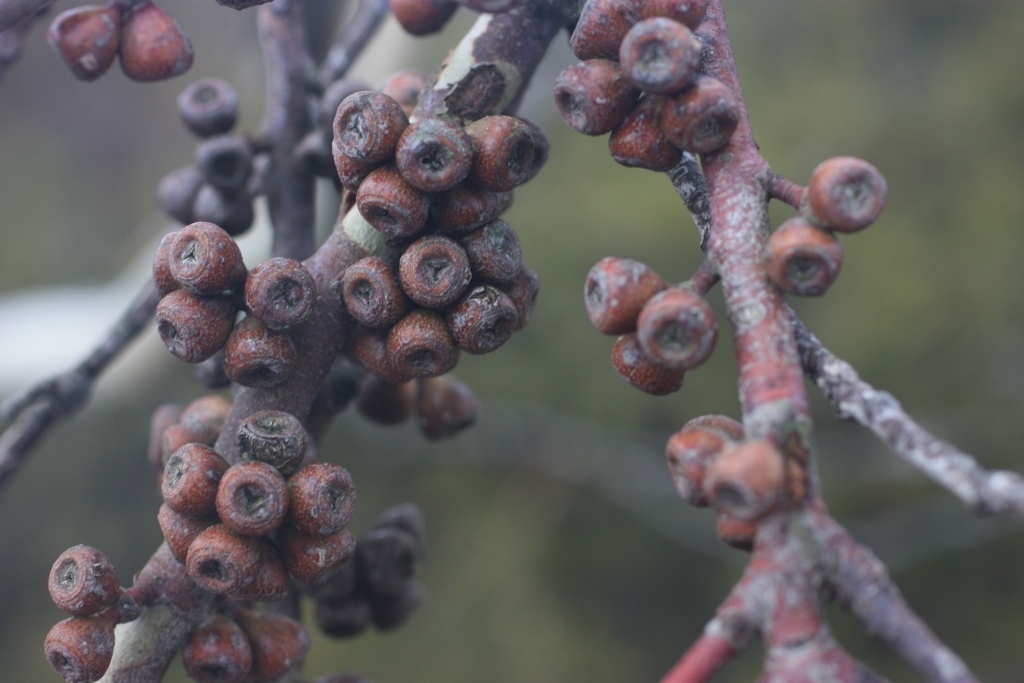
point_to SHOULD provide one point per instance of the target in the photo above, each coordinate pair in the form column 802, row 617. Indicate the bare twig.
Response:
column 688, row 180
column 13, row 12
column 984, row 492
column 37, row 409
column 364, row 23
column 785, row 190
column 12, row 40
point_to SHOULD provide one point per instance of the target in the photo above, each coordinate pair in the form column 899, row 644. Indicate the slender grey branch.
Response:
column 13, row 12
column 12, row 39
column 364, row 24
column 35, row 410
column 688, row 180
column 984, row 492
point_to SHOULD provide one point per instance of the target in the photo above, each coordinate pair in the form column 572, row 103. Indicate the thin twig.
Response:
column 364, row 23
column 689, row 182
column 785, row 190
column 13, row 12
column 12, row 40
column 984, row 492
column 37, row 409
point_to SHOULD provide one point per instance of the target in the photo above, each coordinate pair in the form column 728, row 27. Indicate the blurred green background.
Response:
column 559, row 551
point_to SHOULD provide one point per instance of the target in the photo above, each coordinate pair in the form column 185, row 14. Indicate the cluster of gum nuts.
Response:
column 640, row 82
column 454, row 277
column 150, row 43
column 219, row 186
column 667, row 330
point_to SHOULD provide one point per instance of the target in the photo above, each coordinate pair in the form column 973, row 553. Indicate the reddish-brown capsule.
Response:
column 225, row 162
column 162, row 277
column 87, row 38
column 252, row 499
column 180, row 530
column 677, row 328
column 703, row 117
column 594, row 96
column 372, row 293
column 193, row 327
column 334, row 94
column 688, row 12
column 314, row 559
column 208, row 107
column 640, row 142
column 615, row 292
column 736, row 532
column 444, row 407
column 405, row 87
column 635, row 367
column 747, row 480
column 523, row 292
column 659, row 55
column 602, row 26
column 391, row 204
column 232, row 212
column 344, row 618
column 434, row 154
column 191, row 479
column 176, row 194
column 217, row 652
column 689, row 452
column 323, row 499
column 278, row 643
column 434, row 271
column 502, row 152
column 80, row 648
column 343, row 585
column 83, row 582
column 423, row 17
column 482, row 319
column 272, row 582
column 846, row 194
column 370, row 349
column 280, row 292
column 803, row 259
column 420, row 345
column 173, row 437
column 351, row 172
column 494, row 252
column 541, row 150
column 465, row 207
column 204, row 259
column 205, row 417
column 367, row 126
column 385, row 403
column 153, row 45
column 163, row 417
column 274, row 437
column 220, row 561
column 257, row 357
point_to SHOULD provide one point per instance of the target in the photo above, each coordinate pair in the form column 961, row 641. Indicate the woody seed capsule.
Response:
column 344, row 618
column 225, row 162
column 252, row 498
column 280, row 292
column 482, row 320
column 222, row 562
column 803, row 259
column 204, row 259
column 176, row 194
column 660, row 55
column 502, row 152
column 494, row 252
column 434, row 154
column 180, row 530
column 367, row 126
column 594, row 96
column 153, row 45
column 83, row 582
column 635, row 367
column 217, row 652
column 405, row 87
column 444, row 407
column 163, row 280
column 423, row 17
column 434, row 271
column 87, row 38
column 615, row 292
column 639, row 140
column 372, row 293
column 191, row 479
column 370, row 349
column 390, row 204
column 274, row 437
column 193, row 327
column 747, row 480
column 257, row 357
column 208, row 107
column 204, row 418
column 690, row 452
column 323, row 499
column 278, row 643
column 735, row 532
column 80, row 648
column 701, row 118
column 846, row 194
column 602, row 26
column 385, row 403
column 420, row 345
column 272, row 582
column 677, row 328
column 523, row 292
column 688, row 12
column 465, row 207
column 315, row 559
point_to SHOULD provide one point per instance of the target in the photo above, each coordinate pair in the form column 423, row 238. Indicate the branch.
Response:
column 13, row 12
column 984, row 492
column 364, row 23
column 688, row 180
column 291, row 198
column 12, row 40
column 37, row 409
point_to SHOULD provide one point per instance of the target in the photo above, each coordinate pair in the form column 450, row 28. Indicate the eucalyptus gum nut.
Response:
column 233, row 213
column 163, row 417
column 803, row 259
column 372, row 292
column 736, row 533
column 640, row 142
column 660, row 55
column 846, row 194
column 421, row 345
column 193, row 327
column 385, row 403
column 163, row 280
column 701, row 118
column 615, row 292
column 180, row 530
column 367, row 126
column 434, row 271
column 255, row 356
column 635, row 367
column 208, row 107
column 204, row 259
column 494, row 252
column 176, row 194
column 503, row 149
column 83, row 581
column 523, row 291
column 80, row 648
column 482, row 320
column 405, row 87
column 390, row 204
column 280, row 292
column 222, row 562
column 444, row 407
column 225, row 162
column 87, row 39
column 205, row 417
column 344, row 618
column 687, row 12
column 323, row 499
column 434, row 154
column 747, row 480
column 274, row 437
column 689, row 453
column 601, row 27
column 153, row 45
column 409, row 518
column 387, row 559
column 594, row 96
column 541, row 150
column 278, row 643
column 217, row 652
column 423, row 17
column 370, row 350
column 190, row 481
column 334, row 94
column 252, row 498
column 313, row 560
column 677, row 328
column 466, row 207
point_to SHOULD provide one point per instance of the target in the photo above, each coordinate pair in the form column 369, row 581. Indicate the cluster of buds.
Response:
column 84, row 584
column 239, row 645
column 712, row 464
column 379, row 586
column 664, row 330
column 423, row 17
column 220, row 185
column 639, row 81
column 454, row 279
column 200, row 271
column 151, row 44
column 218, row 519
column 844, row 195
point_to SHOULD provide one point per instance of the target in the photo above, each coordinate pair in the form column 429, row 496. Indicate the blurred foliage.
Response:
column 536, row 577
